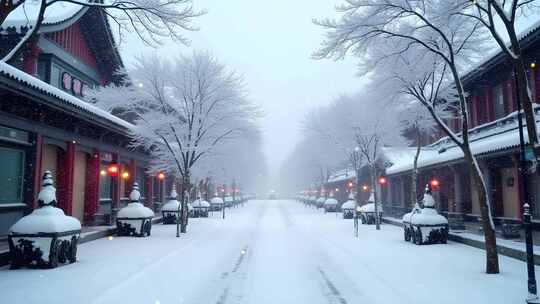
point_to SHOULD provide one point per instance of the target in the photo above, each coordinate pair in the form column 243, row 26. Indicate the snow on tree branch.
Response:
column 151, row 20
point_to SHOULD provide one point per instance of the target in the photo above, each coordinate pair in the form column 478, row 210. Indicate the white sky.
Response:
column 270, row 43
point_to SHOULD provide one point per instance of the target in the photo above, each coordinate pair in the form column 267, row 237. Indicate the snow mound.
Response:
column 171, row 205
column 370, row 207
column 320, row 200
column 331, row 202
column 428, row 216
column 135, row 210
column 47, row 219
column 350, row 204
column 216, row 201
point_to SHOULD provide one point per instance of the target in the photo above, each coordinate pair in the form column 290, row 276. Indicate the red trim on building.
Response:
column 116, row 184
column 66, row 165
column 30, row 60
column 72, row 40
column 91, row 195
column 490, row 106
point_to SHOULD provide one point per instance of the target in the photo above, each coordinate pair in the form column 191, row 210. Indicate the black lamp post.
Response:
column 531, row 276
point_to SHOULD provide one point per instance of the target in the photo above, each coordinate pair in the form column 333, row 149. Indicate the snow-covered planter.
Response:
column 216, row 204
column 45, row 237
column 348, row 207
column 330, row 205
column 134, row 219
column 171, row 210
column 425, row 225
column 367, row 211
column 229, row 201
column 201, row 208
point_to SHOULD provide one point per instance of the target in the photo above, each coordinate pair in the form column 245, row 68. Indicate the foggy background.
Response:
column 270, row 43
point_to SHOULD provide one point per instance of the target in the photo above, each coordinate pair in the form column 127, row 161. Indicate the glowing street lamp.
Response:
column 434, row 183
column 161, row 176
column 125, row 175
column 382, row 180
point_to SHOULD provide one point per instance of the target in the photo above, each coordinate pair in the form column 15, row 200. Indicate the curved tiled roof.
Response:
column 32, row 82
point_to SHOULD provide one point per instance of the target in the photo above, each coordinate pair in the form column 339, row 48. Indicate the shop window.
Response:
column 11, row 175
column 498, row 101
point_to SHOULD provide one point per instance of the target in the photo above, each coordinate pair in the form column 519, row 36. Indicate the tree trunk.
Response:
column 492, row 258
column 524, row 93
column 184, row 210
column 414, row 186
column 374, row 190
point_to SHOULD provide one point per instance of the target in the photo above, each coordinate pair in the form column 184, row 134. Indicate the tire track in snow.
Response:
column 234, row 276
column 335, row 292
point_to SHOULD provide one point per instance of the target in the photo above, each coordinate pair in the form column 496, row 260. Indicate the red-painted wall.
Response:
column 72, row 40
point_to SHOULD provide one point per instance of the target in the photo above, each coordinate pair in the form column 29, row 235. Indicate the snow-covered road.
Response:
column 269, row 252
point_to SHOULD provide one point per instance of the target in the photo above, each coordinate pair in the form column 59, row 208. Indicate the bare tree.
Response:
column 377, row 30
column 150, row 20
column 184, row 109
column 491, row 13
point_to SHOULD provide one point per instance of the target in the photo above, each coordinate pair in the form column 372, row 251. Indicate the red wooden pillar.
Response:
column 133, row 175
column 66, row 163
column 91, row 195
column 37, row 169
column 116, row 183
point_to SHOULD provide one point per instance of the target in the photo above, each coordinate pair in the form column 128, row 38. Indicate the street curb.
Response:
column 503, row 250
column 87, row 237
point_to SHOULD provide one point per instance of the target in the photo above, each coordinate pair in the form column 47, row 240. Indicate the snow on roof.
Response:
column 524, row 29
column 26, row 14
column 35, row 83
column 495, row 136
column 342, row 175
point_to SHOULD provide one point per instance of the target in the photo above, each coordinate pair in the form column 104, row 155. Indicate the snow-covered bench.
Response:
column 134, row 219
column 425, row 225
column 45, row 237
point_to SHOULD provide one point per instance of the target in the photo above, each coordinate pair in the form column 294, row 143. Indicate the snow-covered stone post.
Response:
column 134, row 219
column 425, row 225
column 170, row 210
column 45, row 237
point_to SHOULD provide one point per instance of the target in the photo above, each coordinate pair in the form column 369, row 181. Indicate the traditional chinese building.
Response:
column 494, row 140
column 46, row 125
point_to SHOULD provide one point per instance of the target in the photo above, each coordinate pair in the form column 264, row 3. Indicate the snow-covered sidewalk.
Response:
column 269, row 252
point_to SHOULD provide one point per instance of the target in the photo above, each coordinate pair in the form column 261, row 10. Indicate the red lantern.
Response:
column 434, row 183
column 161, row 176
column 113, row 169
column 382, row 180
column 351, row 184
